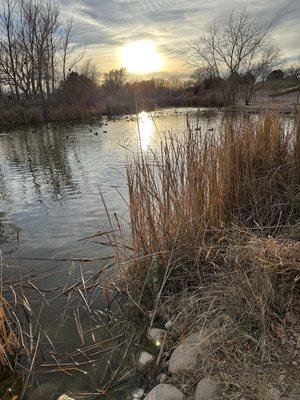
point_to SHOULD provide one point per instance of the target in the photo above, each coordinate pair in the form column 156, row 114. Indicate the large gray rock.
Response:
column 65, row 397
column 186, row 354
column 165, row 392
column 206, row 390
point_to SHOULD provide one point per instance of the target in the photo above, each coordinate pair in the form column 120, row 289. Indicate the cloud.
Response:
column 103, row 26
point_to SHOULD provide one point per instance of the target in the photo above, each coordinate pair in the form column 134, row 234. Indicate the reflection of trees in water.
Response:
column 7, row 228
column 44, row 155
column 3, row 187
column 2, row 228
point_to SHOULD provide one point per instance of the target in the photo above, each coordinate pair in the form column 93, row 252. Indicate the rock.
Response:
column 206, row 390
column 138, row 394
column 157, row 335
column 162, row 378
column 185, row 355
column 165, row 392
column 273, row 394
column 168, row 324
column 65, row 397
column 145, row 359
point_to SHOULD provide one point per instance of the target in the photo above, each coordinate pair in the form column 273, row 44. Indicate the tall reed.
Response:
column 215, row 246
column 247, row 174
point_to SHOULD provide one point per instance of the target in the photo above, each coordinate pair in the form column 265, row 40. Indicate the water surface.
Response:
column 50, row 183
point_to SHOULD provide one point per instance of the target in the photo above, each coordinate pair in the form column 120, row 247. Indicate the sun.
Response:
column 141, row 57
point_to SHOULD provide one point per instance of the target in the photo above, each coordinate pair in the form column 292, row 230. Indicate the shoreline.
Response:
column 96, row 116
column 210, row 272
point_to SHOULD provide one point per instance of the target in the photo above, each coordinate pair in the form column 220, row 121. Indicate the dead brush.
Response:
column 9, row 340
column 214, row 245
column 245, row 295
column 198, row 184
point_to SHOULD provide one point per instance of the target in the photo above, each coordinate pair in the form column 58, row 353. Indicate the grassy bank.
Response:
column 115, row 105
column 32, row 115
column 215, row 230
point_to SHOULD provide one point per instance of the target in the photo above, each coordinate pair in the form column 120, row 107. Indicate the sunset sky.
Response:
column 104, row 27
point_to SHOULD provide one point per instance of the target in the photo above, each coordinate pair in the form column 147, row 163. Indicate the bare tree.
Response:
column 36, row 50
column 241, row 46
column 9, row 46
column 70, row 56
column 89, row 69
column 114, row 79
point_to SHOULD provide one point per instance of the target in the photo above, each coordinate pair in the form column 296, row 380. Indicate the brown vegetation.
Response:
column 10, row 345
column 215, row 246
column 9, row 342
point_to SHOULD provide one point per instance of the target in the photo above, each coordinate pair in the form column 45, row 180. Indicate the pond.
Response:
column 52, row 182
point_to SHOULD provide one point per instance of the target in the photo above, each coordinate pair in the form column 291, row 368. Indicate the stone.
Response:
column 206, row 390
column 273, row 394
column 165, row 392
column 145, row 360
column 65, row 397
column 162, row 378
column 138, row 394
column 168, row 324
column 157, row 336
column 186, row 354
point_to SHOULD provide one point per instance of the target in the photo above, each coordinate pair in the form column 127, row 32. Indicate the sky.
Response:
column 103, row 27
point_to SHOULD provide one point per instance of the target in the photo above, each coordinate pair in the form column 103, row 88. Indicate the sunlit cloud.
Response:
column 105, row 26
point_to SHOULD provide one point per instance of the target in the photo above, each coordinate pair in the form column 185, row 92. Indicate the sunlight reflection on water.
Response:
column 145, row 130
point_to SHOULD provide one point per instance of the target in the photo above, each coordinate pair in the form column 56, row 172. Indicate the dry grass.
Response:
column 215, row 245
column 28, row 115
column 247, row 176
column 247, row 296
column 9, row 342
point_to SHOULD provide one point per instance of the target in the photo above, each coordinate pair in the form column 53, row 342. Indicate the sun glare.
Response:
column 145, row 130
column 141, row 57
